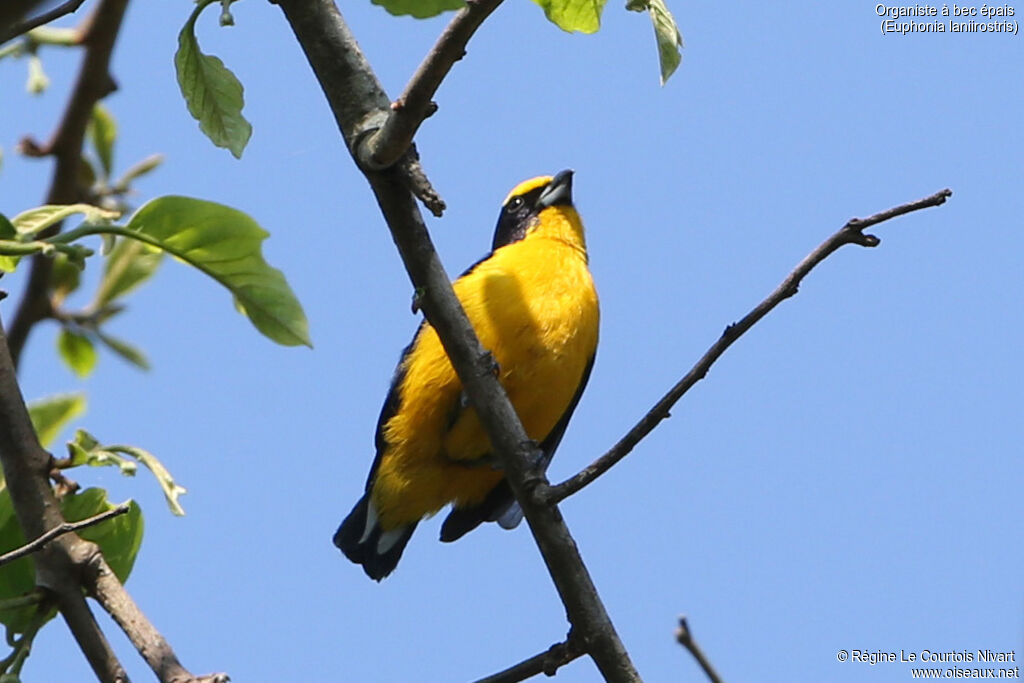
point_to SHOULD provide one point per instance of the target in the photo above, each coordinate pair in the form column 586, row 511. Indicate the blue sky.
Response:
column 847, row 477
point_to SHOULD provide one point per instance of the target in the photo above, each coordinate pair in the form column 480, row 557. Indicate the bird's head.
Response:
column 538, row 204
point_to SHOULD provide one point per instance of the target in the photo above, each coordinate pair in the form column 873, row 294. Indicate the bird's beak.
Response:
column 558, row 192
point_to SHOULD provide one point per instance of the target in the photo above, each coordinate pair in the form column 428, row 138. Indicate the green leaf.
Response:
column 7, row 229
column 137, row 170
column 84, row 441
column 225, row 244
column 172, row 490
column 129, row 264
column 7, row 232
column 421, row 9
column 64, row 278
column 51, row 414
column 670, row 41
column 119, row 538
column 125, row 350
column 213, row 94
column 574, row 15
column 98, row 457
column 86, row 450
column 38, row 219
column 77, row 351
column 102, row 132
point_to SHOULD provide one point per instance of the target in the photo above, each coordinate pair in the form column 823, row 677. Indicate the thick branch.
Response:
column 94, row 82
column 547, row 663
column 385, row 146
column 685, row 638
column 26, row 466
column 67, row 565
column 45, row 18
column 851, row 233
column 347, row 79
column 64, row 528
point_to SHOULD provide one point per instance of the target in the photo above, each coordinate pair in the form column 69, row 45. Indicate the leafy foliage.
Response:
column 128, row 265
column 52, row 414
column 7, row 232
column 102, row 131
column 666, row 33
column 213, row 95
column 85, row 449
column 225, row 244
column 119, row 539
column 574, row 15
column 421, row 9
column 32, row 222
column 77, row 351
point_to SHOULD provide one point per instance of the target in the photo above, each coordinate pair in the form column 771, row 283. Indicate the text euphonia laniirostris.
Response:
column 533, row 304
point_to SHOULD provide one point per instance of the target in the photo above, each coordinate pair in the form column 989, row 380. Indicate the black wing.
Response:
column 391, row 404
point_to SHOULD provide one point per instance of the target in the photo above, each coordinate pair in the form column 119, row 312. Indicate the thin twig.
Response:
column 685, row 638
column 354, row 93
column 391, row 143
column 851, row 233
column 66, row 527
column 94, row 83
column 385, row 146
column 45, row 18
column 547, row 663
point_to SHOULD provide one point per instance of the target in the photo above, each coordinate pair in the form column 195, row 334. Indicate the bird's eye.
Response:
column 516, row 203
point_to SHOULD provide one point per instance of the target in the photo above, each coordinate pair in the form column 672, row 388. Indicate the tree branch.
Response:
column 356, row 97
column 93, row 84
column 45, row 18
column 386, row 145
column 67, row 565
column 64, row 528
column 26, row 466
column 685, row 638
column 851, row 233
column 102, row 584
column 547, row 663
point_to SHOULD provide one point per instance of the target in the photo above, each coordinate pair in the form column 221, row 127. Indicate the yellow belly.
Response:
column 533, row 305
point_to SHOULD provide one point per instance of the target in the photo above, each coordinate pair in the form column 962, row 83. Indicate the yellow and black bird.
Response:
column 533, row 304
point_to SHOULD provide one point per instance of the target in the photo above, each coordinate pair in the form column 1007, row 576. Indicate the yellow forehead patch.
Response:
column 527, row 185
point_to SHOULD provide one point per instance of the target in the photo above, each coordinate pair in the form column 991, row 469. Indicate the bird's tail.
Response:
column 364, row 542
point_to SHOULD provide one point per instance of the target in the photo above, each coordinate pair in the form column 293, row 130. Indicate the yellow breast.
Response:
column 534, row 306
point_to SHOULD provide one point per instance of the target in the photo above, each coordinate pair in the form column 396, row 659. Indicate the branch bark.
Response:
column 26, row 466
column 68, row 565
column 94, row 83
column 360, row 105
column 45, row 18
column 547, row 663
column 851, row 233
column 387, row 144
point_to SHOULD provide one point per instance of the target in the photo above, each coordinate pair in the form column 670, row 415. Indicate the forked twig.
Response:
column 851, row 233
column 65, row 528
